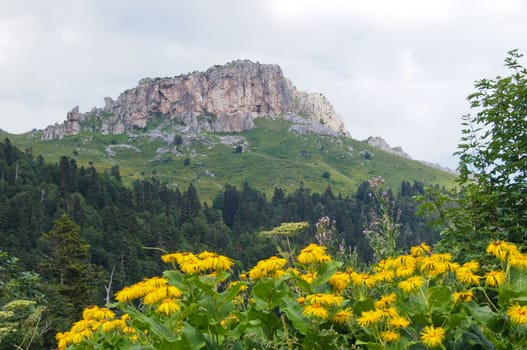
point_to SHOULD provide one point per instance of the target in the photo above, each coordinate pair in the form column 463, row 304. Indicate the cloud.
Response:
column 400, row 70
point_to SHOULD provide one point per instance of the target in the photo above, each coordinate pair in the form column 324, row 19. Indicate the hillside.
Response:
column 235, row 123
column 270, row 156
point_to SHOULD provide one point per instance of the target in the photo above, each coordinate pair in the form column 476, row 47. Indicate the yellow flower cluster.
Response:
column 508, row 252
column 386, row 317
column 465, row 296
column 321, row 305
column 313, row 253
column 152, row 290
column 94, row 319
column 398, row 278
column 206, row 261
column 340, row 280
column 271, row 267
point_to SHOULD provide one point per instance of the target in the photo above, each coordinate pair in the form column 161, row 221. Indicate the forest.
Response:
column 76, row 229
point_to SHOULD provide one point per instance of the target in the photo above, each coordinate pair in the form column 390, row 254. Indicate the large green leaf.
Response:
column 325, row 271
column 192, row 338
column 294, row 313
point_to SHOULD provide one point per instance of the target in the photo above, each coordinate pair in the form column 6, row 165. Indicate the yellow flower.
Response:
column 103, row 314
column 452, row 266
column 405, row 271
column 434, row 267
column 267, row 267
column 215, row 262
column 301, row 300
column 108, row 326
column 88, row 313
column 363, row 279
column 384, row 276
column 518, row 260
column 466, row 276
column 339, row 281
column 134, row 291
column 243, row 287
column 432, row 336
column 168, row 307
column 162, row 293
column 473, row 266
column 368, row 318
column 385, row 300
column 315, row 310
column 495, row 278
column 388, row 312
column 229, row 321
column 309, row 277
column 325, row 299
column 411, row 283
column 499, row 249
column 156, row 282
column 390, row 336
column 420, row 250
column 313, row 253
column 517, row 314
column 62, row 340
column 399, row 322
column 342, row 316
column 442, row 257
column 463, row 296
column 188, row 262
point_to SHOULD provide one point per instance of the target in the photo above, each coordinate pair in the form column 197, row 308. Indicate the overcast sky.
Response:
column 396, row 69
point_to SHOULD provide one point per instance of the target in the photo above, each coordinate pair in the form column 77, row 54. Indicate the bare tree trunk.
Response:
column 108, row 288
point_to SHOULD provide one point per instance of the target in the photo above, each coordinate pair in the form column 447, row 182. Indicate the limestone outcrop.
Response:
column 224, row 98
column 380, row 143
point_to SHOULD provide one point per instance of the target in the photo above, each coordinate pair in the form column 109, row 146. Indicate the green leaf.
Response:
column 438, row 298
column 325, row 271
column 192, row 338
column 294, row 313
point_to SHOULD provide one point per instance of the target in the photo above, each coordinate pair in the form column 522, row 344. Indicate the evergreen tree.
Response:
column 71, row 279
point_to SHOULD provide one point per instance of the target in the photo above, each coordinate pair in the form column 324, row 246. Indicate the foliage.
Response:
column 491, row 203
column 112, row 226
column 384, row 228
column 274, row 157
column 418, row 300
column 493, row 153
column 21, row 306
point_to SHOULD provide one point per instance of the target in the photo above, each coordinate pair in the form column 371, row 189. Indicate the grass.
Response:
column 274, row 158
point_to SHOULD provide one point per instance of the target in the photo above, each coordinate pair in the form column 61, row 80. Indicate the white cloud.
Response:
column 396, row 69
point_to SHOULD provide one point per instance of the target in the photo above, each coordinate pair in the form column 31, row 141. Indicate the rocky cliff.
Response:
column 380, row 143
column 224, row 98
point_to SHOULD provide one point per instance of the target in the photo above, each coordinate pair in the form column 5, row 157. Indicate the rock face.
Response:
column 224, row 98
column 380, row 143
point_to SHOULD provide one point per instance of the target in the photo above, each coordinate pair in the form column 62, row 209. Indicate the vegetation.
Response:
column 420, row 300
column 75, row 237
column 85, row 234
column 492, row 201
column 270, row 157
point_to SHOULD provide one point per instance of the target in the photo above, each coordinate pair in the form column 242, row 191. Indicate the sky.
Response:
column 397, row 69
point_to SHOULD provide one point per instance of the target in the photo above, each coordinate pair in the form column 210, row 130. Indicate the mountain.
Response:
column 224, row 98
column 235, row 123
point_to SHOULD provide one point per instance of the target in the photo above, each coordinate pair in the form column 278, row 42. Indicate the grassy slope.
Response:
column 275, row 158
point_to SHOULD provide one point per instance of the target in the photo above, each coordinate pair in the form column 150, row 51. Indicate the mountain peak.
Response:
column 224, row 98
